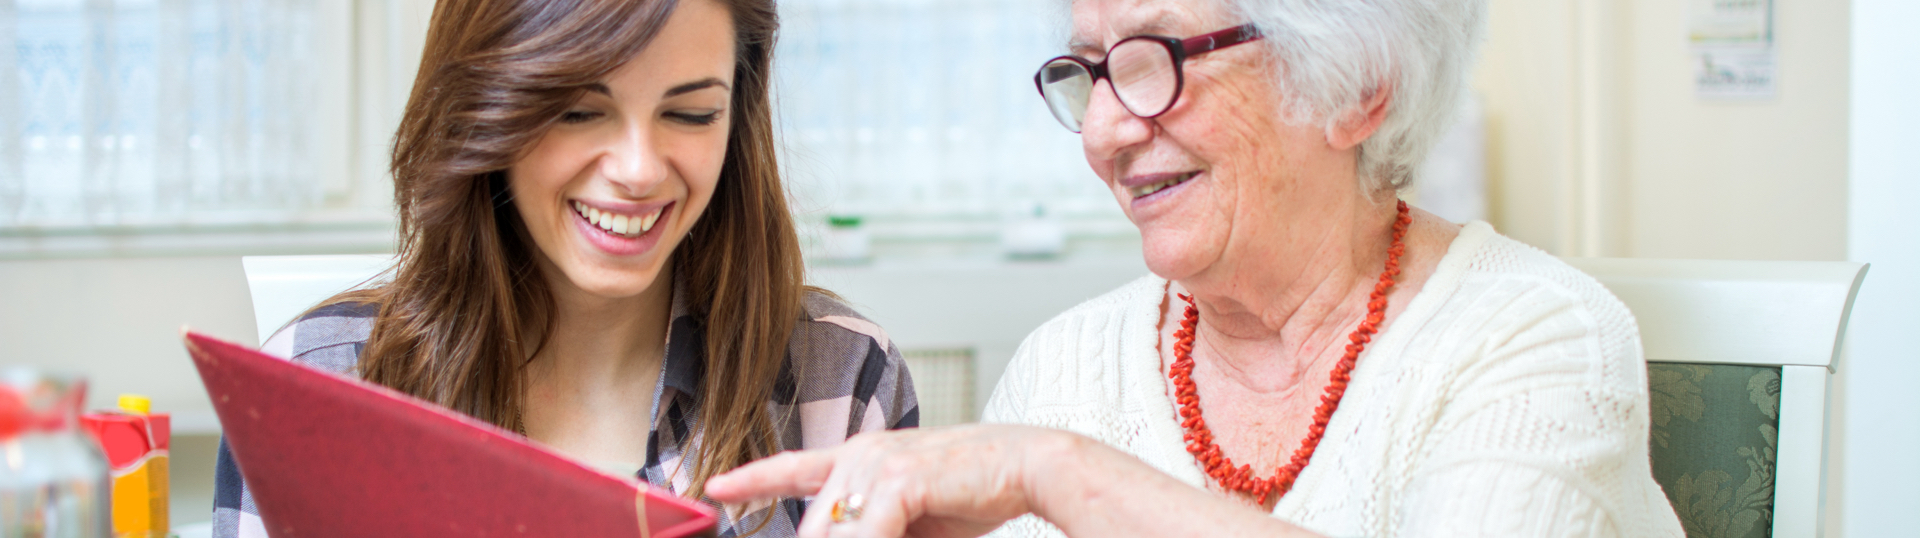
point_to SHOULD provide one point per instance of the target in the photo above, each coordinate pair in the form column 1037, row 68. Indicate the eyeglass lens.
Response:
column 1066, row 85
column 1142, row 75
column 1141, row 71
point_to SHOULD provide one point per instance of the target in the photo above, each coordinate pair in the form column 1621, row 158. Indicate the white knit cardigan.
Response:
column 1509, row 398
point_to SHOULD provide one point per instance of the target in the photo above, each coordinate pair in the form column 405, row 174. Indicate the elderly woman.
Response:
column 1309, row 356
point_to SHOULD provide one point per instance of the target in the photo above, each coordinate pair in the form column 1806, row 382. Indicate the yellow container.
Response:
column 140, row 499
column 135, row 441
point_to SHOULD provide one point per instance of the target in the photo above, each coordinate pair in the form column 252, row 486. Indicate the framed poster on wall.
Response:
column 1732, row 46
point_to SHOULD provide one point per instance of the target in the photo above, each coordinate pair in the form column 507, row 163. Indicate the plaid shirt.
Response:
column 845, row 374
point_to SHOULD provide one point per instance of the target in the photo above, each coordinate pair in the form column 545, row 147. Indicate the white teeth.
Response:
column 646, row 222
column 619, row 224
column 1144, row 190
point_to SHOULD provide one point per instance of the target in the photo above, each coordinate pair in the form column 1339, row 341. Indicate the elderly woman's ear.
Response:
column 1357, row 123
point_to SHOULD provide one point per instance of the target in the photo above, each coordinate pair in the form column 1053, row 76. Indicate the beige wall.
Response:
column 1599, row 147
column 118, row 321
column 1528, row 91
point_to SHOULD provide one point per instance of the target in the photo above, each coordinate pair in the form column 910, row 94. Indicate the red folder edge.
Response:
column 328, row 455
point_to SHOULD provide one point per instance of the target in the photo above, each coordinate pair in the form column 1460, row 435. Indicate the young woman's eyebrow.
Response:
column 697, row 85
column 689, row 87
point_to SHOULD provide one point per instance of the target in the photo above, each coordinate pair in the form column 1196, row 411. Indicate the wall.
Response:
column 1763, row 180
column 1528, row 94
column 119, row 320
column 1883, row 356
column 1598, row 146
column 986, row 304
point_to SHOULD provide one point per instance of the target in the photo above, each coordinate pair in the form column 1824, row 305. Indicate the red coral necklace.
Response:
column 1200, row 439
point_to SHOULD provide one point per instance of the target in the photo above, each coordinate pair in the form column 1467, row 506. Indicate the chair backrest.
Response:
column 1739, row 354
column 284, row 286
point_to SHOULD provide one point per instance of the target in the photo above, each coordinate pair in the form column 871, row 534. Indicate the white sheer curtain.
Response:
column 926, row 110
column 156, row 112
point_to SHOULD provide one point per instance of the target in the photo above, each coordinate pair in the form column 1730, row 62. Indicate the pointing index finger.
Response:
column 788, row 474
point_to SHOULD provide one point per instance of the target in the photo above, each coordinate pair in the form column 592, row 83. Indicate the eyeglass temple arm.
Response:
column 1204, row 43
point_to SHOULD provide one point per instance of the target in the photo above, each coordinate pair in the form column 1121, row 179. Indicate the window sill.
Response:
column 972, row 240
column 373, row 233
column 335, row 233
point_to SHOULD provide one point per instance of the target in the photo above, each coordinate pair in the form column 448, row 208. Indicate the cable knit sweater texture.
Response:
column 1508, row 399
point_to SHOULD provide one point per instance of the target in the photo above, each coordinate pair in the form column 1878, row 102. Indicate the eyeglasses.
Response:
column 1143, row 71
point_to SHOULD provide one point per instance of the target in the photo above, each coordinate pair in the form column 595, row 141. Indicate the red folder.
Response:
column 326, row 455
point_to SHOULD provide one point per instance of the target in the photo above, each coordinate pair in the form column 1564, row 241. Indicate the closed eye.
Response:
column 695, row 118
column 579, row 116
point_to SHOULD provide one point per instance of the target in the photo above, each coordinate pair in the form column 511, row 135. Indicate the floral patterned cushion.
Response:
column 1714, row 436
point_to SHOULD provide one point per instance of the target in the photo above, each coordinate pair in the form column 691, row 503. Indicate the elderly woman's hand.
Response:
column 938, row 482
column 968, row 480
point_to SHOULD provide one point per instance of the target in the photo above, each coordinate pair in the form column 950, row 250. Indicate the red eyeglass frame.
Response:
column 1179, row 49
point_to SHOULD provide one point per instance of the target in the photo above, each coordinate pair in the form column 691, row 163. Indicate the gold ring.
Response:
column 848, row 508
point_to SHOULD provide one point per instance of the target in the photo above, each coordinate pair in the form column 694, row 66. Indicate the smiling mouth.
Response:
column 1151, row 188
column 628, row 226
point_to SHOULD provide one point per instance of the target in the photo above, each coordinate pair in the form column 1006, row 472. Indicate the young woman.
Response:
column 596, row 252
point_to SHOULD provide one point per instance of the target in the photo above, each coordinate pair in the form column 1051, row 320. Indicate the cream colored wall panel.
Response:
column 1883, row 348
column 117, row 321
column 1739, row 180
column 1598, row 146
column 1526, row 80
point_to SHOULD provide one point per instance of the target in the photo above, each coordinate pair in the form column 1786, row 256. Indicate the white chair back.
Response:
column 1791, row 315
column 284, row 286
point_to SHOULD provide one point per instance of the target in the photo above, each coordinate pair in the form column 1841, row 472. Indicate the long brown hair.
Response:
column 466, row 304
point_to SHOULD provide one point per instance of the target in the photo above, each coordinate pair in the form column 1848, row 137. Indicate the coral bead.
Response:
column 1200, row 440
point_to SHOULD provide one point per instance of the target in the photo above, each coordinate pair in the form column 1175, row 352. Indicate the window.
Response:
column 921, row 118
column 179, row 126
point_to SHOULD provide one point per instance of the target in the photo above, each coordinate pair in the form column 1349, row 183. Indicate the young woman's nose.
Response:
column 634, row 163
